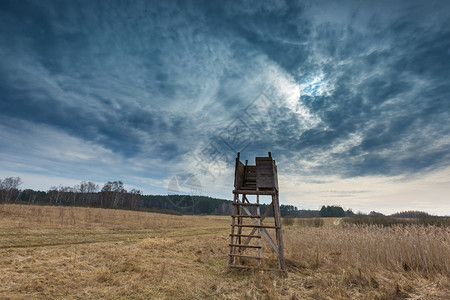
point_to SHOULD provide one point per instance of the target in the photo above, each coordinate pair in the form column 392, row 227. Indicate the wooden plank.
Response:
column 254, row 267
column 239, row 212
column 246, row 204
column 239, row 174
column 247, row 235
column 255, row 192
column 258, row 212
column 277, row 215
column 263, row 158
column 245, row 216
column 265, row 171
column 248, row 189
column 264, row 166
column 265, row 175
column 256, row 226
column 245, row 246
column 264, row 163
column 230, row 260
column 275, row 177
column 265, row 182
column 264, row 179
column 246, row 256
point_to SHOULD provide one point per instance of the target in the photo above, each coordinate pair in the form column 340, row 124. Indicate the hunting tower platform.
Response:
column 247, row 227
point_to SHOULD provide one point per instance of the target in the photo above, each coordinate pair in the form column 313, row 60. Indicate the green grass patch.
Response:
column 387, row 221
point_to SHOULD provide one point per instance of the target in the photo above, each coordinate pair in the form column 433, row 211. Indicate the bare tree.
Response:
column 9, row 189
column 29, row 194
column 73, row 194
column 92, row 190
column 54, row 194
column 134, row 199
column 88, row 191
column 113, row 194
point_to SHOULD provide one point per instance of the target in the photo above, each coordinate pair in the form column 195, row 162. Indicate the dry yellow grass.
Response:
column 73, row 253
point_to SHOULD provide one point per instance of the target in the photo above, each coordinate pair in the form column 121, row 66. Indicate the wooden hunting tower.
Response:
column 247, row 228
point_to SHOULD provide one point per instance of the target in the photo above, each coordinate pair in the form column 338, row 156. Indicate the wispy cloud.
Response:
column 142, row 89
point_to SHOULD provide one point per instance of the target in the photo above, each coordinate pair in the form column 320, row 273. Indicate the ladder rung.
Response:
column 245, row 246
column 247, row 256
column 245, row 204
column 246, row 235
column 256, row 226
column 253, row 267
column 245, row 216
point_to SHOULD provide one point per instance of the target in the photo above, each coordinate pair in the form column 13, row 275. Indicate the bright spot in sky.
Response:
column 315, row 85
column 288, row 89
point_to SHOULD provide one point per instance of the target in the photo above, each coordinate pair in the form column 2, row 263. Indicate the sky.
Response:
column 351, row 97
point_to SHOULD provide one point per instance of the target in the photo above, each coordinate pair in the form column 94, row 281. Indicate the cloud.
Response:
column 428, row 192
column 344, row 91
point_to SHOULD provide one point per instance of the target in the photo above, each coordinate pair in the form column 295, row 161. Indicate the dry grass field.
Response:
column 87, row 253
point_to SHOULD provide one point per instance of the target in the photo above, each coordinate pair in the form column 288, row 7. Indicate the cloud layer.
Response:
column 143, row 90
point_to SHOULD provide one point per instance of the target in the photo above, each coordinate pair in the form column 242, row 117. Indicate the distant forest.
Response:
column 114, row 195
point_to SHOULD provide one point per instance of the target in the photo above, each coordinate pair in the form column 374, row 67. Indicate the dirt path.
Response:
column 53, row 238
column 337, row 221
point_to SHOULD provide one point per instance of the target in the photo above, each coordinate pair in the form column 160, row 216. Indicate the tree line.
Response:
column 114, row 195
column 334, row 211
column 111, row 195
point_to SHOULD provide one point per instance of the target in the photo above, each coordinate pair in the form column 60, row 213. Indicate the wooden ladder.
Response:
column 239, row 241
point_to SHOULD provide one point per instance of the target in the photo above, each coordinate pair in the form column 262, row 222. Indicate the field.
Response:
column 87, row 253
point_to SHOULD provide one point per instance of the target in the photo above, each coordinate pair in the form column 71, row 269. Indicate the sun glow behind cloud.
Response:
column 286, row 91
column 316, row 85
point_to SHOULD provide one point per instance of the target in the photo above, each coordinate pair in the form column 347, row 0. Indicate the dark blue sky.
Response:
column 352, row 98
